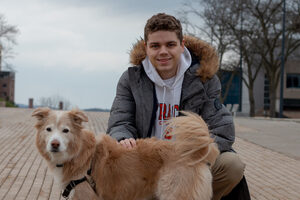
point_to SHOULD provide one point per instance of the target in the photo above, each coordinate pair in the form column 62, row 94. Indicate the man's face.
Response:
column 164, row 49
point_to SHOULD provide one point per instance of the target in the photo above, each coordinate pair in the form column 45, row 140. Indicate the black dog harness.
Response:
column 74, row 183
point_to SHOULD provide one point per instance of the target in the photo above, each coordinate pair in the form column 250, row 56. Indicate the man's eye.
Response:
column 171, row 45
column 66, row 130
column 48, row 129
column 154, row 46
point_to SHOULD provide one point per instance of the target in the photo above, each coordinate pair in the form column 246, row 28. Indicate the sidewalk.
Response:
column 281, row 135
column 271, row 150
column 271, row 175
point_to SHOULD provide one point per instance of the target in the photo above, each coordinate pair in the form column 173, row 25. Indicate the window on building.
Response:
column 293, row 81
column 4, row 85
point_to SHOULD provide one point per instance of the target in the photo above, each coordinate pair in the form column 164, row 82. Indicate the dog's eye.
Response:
column 48, row 129
column 66, row 130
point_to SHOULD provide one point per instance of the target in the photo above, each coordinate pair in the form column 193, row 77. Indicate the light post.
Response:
column 0, row 57
column 282, row 61
column 241, row 58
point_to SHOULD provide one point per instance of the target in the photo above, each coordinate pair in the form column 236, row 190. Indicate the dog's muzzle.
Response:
column 55, row 144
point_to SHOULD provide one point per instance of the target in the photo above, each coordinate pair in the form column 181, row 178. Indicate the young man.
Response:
column 173, row 73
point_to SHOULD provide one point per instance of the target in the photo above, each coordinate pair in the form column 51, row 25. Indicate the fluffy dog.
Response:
column 154, row 169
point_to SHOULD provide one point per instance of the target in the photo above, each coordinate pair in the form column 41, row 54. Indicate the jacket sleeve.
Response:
column 121, row 123
column 218, row 118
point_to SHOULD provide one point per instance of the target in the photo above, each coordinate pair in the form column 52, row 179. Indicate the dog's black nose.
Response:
column 55, row 145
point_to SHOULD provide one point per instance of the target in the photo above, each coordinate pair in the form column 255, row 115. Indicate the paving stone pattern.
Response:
column 24, row 174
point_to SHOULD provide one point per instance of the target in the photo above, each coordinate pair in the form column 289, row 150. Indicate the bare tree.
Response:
column 211, row 29
column 253, row 28
column 221, row 24
column 7, row 41
column 240, row 26
column 53, row 102
column 268, row 31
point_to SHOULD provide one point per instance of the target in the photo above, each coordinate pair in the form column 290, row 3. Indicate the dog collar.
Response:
column 59, row 165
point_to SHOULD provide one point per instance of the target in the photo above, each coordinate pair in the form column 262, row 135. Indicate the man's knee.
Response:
column 229, row 167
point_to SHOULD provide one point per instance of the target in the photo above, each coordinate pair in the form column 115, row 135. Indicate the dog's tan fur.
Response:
column 166, row 170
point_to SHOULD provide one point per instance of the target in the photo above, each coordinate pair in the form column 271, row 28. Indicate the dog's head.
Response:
column 59, row 133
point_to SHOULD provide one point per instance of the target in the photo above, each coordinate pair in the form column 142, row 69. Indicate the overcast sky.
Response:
column 76, row 49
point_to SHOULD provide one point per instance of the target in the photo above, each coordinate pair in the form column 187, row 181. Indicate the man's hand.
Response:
column 128, row 143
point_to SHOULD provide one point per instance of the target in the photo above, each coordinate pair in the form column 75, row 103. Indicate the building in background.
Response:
column 7, row 83
column 232, row 80
column 291, row 90
column 7, row 86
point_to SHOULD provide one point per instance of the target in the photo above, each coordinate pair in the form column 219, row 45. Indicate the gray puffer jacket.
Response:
column 134, row 107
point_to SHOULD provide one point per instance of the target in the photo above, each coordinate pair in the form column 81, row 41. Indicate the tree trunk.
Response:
column 272, row 91
column 251, row 99
column 0, row 57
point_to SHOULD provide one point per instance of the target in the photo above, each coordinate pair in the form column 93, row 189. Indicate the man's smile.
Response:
column 163, row 60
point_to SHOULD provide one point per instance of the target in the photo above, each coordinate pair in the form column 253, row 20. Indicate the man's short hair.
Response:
column 163, row 22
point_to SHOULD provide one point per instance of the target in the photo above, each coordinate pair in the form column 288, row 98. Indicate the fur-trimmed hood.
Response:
column 205, row 53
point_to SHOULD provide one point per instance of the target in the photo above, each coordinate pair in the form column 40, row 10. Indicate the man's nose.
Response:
column 163, row 50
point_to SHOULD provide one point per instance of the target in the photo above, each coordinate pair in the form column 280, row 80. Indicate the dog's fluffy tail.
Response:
column 193, row 143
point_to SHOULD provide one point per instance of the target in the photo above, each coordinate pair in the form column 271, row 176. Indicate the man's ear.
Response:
column 40, row 113
column 182, row 44
column 78, row 116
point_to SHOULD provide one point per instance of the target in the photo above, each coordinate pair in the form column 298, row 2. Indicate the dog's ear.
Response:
column 40, row 113
column 78, row 116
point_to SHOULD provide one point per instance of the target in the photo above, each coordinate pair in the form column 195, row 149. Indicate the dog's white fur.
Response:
column 166, row 170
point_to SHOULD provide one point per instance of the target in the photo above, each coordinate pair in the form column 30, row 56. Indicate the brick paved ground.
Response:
column 24, row 175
